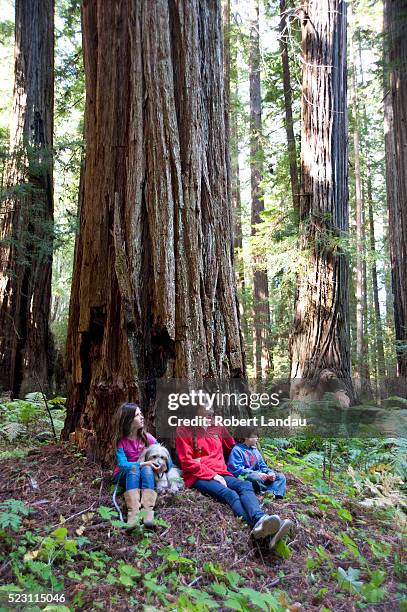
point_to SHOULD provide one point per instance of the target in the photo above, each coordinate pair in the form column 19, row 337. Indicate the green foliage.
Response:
column 173, row 556
column 106, row 513
column 226, row 585
column 387, row 452
column 351, row 545
column 12, row 512
column 202, row 601
column 33, row 556
column 127, row 574
column 367, row 456
column 171, row 579
column 348, row 579
column 6, row 31
column 283, row 550
column 16, row 453
column 380, row 550
column 69, row 74
column 69, row 153
column 371, row 592
column 29, row 417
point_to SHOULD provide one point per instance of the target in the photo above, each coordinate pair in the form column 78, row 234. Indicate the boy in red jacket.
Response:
column 201, row 455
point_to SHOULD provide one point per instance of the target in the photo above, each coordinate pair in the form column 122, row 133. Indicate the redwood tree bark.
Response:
column 288, row 108
column 320, row 336
column 261, row 310
column 395, row 23
column 361, row 375
column 26, row 215
column 153, row 287
column 381, row 365
column 231, row 72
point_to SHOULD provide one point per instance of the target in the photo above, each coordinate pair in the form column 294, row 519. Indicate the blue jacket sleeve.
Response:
column 121, row 459
column 236, row 463
column 263, row 467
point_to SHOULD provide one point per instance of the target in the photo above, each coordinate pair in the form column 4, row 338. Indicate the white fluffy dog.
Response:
column 167, row 478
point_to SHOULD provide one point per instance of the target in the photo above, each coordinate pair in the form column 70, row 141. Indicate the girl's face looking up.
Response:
column 138, row 421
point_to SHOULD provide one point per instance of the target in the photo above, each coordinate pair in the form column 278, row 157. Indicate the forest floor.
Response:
column 342, row 556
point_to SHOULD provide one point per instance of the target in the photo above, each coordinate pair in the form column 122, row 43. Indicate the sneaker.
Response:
column 285, row 527
column 266, row 526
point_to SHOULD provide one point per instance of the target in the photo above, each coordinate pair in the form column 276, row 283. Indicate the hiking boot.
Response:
column 266, row 526
column 285, row 527
column 148, row 499
column 132, row 498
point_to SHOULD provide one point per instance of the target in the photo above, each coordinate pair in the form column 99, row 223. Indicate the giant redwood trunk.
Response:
column 320, row 336
column 26, row 214
column 153, row 287
column 395, row 20
column 261, row 310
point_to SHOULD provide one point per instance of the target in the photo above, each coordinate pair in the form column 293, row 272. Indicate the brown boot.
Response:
column 132, row 497
column 148, row 499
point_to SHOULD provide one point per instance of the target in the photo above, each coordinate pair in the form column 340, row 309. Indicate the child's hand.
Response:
column 151, row 464
column 263, row 476
column 220, row 479
column 271, row 476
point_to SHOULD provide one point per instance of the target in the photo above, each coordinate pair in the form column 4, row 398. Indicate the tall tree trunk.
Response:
column 261, row 309
column 153, row 287
column 367, row 392
column 226, row 73
column 389, row 328
column 320, row 336
column 236, row 199
column 26, row 219
column 360, row 352
column 361, row 378
column 381, row 368
column 395, row 110
column 232, row 78
column 288, row 108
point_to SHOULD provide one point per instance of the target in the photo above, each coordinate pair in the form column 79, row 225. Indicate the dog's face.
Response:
column 160, row 455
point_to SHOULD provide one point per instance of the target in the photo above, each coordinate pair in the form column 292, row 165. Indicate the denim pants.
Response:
column 277, row 487
column 135, row 477
column 239, row 495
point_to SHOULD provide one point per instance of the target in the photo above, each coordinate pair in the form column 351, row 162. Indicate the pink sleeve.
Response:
column 150, row 439
column 120, row 443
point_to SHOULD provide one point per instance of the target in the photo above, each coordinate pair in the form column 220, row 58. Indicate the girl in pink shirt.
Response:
column 136, row 478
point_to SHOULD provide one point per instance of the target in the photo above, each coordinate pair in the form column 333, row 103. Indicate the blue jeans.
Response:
column 239, row 495
column 277, row 487
column 135, row 477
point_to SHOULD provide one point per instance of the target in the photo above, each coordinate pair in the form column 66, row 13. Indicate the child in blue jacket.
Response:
column 246, row 460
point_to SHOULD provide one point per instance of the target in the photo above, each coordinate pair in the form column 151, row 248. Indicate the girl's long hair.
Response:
column 125, row 416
